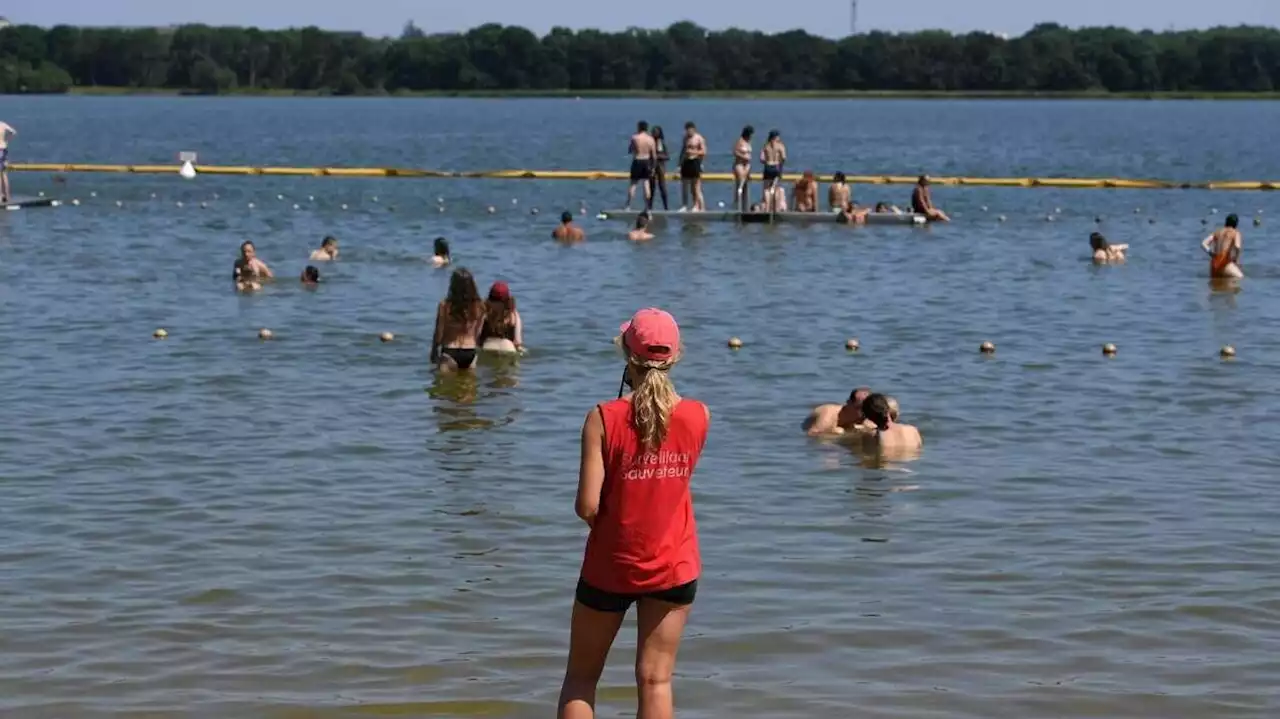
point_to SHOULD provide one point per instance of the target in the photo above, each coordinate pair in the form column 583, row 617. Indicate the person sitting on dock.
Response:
column 249, row 269
column 775, row 198
column 839, row 195
column 805, row 194
column 644, row 155
column 828, row 419
column 851, row 215
column 328, row 250
column 922, row 202
column 567, row 231
column 641, row 232
column 6, row 133
column 1104, row 252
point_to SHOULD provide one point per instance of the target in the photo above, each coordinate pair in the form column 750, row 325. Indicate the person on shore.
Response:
column 773, row 156
column 643, row 153
column 310, row 276
column 7, row 133
column 249, row 270
column 691, row 158
column 1223, row 247
column 805, row 193
column 889, row 434
column 328, row 250
column 922, row 202
column 440, row 253
column 829, row 419
column 639, row 453
column 1104, row 252
column 742, row 169
column 658, row 181
column 503, row 330
column 459, row 319
column 566, row 231
column 839, row 194
column 641, row 232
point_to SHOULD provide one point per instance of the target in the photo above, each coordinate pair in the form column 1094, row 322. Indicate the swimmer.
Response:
column 249, row 271
column 889, row 435
column 773, row 156
column 805, row 193
column 1104, row 252
column 502, row 330
column 886, row 208
column 440, row 258
column 644, row 152
column 328, row 250
column 310, row 276
column 831, row 419
column 459, row 321
column 851, row 215
column 922, row 202
column 1223, row 248
column 742, row 169
column 839, row 195
column 567, row 231
column 641, row 232
column 691, row 157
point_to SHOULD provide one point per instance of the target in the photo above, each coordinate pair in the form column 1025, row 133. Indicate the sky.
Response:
column 821, row 17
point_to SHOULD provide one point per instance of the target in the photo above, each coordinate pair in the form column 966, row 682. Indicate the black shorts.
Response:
column 602, row 601
column 641, row 170
column 772, row 172
column 464, row 358
column 691, row 169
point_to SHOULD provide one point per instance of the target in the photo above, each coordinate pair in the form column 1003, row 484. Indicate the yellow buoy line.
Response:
column 1052, row 182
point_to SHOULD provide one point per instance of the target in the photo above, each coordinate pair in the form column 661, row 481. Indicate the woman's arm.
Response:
column 262, row 267
column 437, row 335
column 519, row 341
column 591, row 468
column 1205, row 245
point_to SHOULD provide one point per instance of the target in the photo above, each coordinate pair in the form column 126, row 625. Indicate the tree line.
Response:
column 682, row 58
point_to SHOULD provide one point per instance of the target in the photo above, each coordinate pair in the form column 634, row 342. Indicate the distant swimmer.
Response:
column 889, row 434
column 658, row 181
column 1224, row 247
column 249, row 271
column 691, row 158
column 922, row 202
column 840, row 418
column 851, row 215
column 6, row 133
column 502, row 331
column 440, row 256
column 310, row 276
column 567, row 231
column 885, row 208
column 806, row 193
column 328, row 250
column 1104, row 252
column 742, row 169
column 644, row 153
column 641, row 232
column 459, row 321
column 773, row 156
column 839, row 195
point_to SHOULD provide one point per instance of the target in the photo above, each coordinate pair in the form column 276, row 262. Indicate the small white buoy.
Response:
column 250, row 205
column 1137, row 210
column 160, row 333
column 1057, row 210
column 216, row 196
column 188, row 171
column 93, row 194
column 119, row 203
column 265, row 334
column 440, row 209
column 1213, row 211
column 440, row 200
column 852, row 345
column 988, row 348
column 55, row 203
column 1048, row 218
column 492, row 209
column 583, row 212
column 1002, row 218
column 375, row 198
column 386, row 336
column 722, row 205
column 1227, row 352
column 42, row 193
column 204, row 205
column 344, row 207
column 153, row 195
column 735, row 343
column 280, row 197
column 179, row 203
column 76, row 203
column 515, row 201
column 984, row 208
column 311, row 198
column 1109, row 349
column 534, row 211
column 296, row 206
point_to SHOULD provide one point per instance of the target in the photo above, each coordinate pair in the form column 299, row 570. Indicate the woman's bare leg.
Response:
column 660, row 626
column 591, row 635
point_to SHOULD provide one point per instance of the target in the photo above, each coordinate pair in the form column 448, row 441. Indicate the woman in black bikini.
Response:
column 459, row 320
column 658, row 180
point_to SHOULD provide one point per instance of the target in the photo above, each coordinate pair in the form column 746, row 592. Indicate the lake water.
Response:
column 318, row 526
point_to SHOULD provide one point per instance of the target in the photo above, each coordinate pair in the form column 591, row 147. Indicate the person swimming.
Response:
column 886, row 208
column 641, row 232
column 249, row 270
column 459, row 321
column 503, row 331
column 567, row 231
column 440, row 258
column 328, row 250
column 829, row 419
column 310, row 276
column 1104, row 252
column 1223, row 247
column 889, row 435
column 851, row 215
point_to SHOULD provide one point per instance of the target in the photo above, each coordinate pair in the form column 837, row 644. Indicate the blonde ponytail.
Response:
column 652, row 402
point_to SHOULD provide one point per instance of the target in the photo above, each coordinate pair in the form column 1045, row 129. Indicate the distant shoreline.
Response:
column 706, row 95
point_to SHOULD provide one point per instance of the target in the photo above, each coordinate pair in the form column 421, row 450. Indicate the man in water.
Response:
column 641, row 232
column 567, row 231
column 839, row 195
column 838, row 419
column 922, row 202
column 806, row 193
column 6, row 133
column 1223, row 247
column 328, row 250
column 889, row 434
column 691, row 157
column 644, row 155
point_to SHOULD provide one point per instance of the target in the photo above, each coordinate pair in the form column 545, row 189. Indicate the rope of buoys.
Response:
column 1052, row 182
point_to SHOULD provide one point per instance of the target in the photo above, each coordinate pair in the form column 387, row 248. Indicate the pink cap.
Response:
column 652, row 335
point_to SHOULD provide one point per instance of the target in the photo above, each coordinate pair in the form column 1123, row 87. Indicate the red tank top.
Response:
column 644, row 538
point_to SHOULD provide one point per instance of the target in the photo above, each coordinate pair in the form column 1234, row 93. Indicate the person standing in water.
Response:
column 643, row 152
column 641, row 232
column 1223, row 247
column 638, row 457
column 328, row 250
column 503, row 330
column 459, row 319
column 249, row 270
column 566, row 231
column 922, row 202
column 691, row 158
column 742, row 169
column 889, row 435
column 773, row 156
column 1104, row 252
column 6, row 133
column 839, row 418
column 658, row 182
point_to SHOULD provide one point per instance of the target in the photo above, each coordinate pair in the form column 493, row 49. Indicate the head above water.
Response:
column 858, row 396
column 748, row 132
column 247, row 249
column 1098, row 242
column 882, row 206
column 642, row 221
column 311, row 275
column 1233, row 221
column 441, row 247
column 329, row 242
column 651, row 340
column 566, row 217
column 642, row 126
column 876, row 408
column 774, row 135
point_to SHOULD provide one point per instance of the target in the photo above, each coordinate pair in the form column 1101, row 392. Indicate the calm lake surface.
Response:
column 318, row 526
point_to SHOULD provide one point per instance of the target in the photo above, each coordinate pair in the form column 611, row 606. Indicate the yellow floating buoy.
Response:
column 386, row 336
column 265, row 334
column 160, row 333
column 988, row 348
column 852, row 344
column 735, row 343
column 1227, row 352
column 1109, row 349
